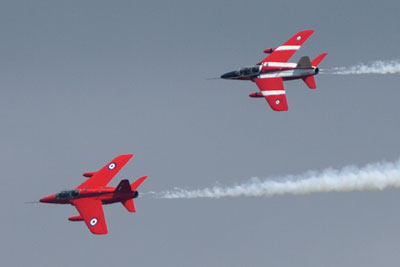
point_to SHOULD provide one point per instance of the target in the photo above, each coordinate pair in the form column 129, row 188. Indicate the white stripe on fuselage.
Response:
column 288, row 47
column 287, row 73
column 273, row 92
column 280, row 64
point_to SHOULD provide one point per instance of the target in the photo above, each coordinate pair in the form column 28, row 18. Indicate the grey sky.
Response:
column 84, row 81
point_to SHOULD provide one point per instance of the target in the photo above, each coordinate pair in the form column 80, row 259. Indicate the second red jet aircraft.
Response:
column 270, row 72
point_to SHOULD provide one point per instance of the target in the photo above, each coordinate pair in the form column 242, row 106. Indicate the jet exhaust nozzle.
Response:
column 316, row 71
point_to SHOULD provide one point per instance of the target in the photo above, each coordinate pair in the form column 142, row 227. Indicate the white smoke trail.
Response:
column 377, row 176
column 376, row 67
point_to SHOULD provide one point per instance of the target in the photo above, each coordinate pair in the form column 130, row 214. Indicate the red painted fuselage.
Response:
column 107, row 195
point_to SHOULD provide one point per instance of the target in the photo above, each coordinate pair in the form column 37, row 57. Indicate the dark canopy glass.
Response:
column 70, row 194
column 249, row 71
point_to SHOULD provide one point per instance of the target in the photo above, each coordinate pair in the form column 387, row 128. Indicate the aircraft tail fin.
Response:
column 129, row 205
column 310, row 81
column 304, row 63
column 124, row 186
column 318, row 59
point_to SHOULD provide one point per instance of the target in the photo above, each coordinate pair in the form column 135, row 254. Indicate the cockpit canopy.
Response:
column 248, row 71
column 70, row 194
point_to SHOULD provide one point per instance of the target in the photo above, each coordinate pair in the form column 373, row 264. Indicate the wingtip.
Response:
column 100, row 233
column 127, row 155
column 310, row 31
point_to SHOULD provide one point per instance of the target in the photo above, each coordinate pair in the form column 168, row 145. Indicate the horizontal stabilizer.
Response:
column 129, row 205
column 137, row 183
column 318, row 59
column 310, row 81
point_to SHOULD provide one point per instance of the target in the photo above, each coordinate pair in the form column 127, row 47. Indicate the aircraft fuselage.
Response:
column 287, row 71
column 107, row 195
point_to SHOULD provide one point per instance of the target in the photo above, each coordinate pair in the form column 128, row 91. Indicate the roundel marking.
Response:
column 277, row 102
column 93, row 221
column 112, row 166
column 298, row 38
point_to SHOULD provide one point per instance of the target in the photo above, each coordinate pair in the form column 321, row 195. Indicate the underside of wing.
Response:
column 284, row 52
column 274, row 92
column 102, row 177
column 91, row 210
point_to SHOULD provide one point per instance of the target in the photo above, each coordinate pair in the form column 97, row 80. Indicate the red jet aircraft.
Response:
column 89, row 197
column 270, row 72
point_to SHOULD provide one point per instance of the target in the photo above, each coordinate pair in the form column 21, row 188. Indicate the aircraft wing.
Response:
column 91, row 210
column 284, row 52
column 274, row 92
column 102, row 177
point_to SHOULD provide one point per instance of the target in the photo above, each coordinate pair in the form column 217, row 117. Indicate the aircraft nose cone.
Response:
column 43, row 199
column 229, row 75
column 46, row 199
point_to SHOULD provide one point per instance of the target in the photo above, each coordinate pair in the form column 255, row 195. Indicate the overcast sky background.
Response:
column 84, row 81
